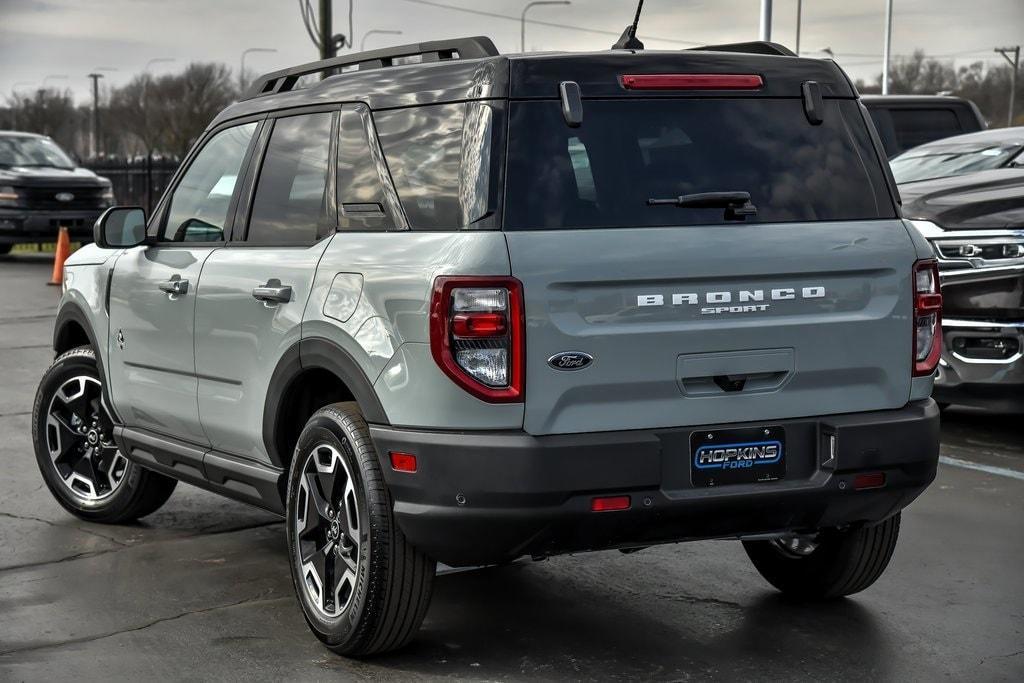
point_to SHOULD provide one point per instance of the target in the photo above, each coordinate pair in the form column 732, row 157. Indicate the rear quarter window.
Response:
column 442, row 162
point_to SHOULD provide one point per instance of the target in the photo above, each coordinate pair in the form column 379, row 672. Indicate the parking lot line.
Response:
column 990, row 469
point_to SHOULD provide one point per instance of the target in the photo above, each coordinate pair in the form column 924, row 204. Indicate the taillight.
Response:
column 691, row 81
column 927, row 317
column 477, row 335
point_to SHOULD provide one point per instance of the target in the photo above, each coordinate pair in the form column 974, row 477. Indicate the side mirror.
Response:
column 120, row 227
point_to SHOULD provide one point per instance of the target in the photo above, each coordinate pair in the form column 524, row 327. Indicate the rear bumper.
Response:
column 489, row 497
column 964, row 378
column 21, row 225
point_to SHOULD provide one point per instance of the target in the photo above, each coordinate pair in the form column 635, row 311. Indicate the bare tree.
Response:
column 167, row 114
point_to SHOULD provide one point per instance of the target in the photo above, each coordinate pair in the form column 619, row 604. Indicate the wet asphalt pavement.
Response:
column 200, row 590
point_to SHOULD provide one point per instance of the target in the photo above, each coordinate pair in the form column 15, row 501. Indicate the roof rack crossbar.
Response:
column 474, row 47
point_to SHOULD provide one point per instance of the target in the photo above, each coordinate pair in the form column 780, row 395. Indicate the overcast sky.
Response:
column 40, row 38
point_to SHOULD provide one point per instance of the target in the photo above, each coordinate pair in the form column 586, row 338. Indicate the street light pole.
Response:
column 766, row 20
column 61, row 77
column 799, row 11
column 241, row 67
column 1015, row 65
column 522, row 19
column 94, row 147
column 886, row 49
column 377, row 32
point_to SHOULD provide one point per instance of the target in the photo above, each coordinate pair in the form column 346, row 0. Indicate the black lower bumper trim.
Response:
column 489, row 497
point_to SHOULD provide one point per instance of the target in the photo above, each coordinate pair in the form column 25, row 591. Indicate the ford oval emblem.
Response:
column 570, row 360
column 64, row 196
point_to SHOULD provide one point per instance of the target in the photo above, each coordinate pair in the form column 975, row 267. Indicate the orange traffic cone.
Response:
column 63, row 251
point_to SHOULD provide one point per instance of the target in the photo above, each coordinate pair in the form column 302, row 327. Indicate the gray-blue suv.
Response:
column 444, row 305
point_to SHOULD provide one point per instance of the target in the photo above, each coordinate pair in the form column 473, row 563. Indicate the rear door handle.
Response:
column 175, row 286
column 273, row 292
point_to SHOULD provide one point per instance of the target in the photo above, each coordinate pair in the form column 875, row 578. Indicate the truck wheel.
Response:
column 831, row 564
column 77, row 456
column 363, row 588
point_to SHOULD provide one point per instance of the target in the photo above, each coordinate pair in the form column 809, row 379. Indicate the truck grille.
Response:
column 82, row 198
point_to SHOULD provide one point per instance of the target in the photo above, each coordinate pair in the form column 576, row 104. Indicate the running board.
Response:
column 236, row 478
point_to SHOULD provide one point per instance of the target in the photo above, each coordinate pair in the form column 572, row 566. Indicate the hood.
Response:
column 48, row 175
column 991, row 199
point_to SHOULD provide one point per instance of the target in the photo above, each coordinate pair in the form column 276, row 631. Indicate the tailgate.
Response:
column 706, row 325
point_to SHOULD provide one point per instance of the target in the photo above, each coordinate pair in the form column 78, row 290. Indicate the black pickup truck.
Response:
column 43, row 189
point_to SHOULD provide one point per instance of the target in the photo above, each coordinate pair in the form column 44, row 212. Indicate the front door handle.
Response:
column 175, row 286
column 273, row 292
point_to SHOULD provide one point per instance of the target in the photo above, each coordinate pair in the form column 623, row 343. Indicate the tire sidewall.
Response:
column 321, row 429
column 74, row 363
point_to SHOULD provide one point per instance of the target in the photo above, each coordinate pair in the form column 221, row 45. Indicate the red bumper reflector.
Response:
column 870, row 480
column 403, row 462
column 609, row 503
column 691, row 81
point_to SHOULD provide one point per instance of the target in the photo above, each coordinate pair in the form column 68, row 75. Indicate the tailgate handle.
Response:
column 733, row 372
column 730, row 383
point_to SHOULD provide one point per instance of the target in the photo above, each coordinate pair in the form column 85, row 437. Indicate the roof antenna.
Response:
column 628, row 39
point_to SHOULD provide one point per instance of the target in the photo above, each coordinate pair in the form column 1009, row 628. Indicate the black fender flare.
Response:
column 313, row 353
column 72, row 313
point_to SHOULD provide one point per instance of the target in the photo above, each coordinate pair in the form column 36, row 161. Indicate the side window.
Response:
column 199, row 206
column 292, row 202
column 917, row 126
column 441, row 163
column 362, row 200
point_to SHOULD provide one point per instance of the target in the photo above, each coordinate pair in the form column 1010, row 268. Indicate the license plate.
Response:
column 737, row 456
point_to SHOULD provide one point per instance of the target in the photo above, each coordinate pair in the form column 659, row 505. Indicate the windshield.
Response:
column 950, row 159
column 627, row 152
column 17, row 150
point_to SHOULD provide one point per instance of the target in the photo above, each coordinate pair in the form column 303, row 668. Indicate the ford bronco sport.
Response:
column 445, row 305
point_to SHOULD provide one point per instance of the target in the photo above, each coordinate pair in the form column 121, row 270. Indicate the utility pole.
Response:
column 1015, row 65
column 95, row 147
column 766, row 20
column 327, row 49
column 886, row 49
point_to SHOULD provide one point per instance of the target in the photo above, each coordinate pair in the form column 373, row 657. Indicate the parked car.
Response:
column 966, row 195
column 43, row 189
column 906, row 121
column 455, row 306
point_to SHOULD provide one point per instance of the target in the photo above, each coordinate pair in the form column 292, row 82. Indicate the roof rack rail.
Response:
column 757, row 47
column 434, row 51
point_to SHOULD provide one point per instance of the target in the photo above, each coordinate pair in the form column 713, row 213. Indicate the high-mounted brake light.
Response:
column 691, row 81
column 927, row 317
column 477, row 335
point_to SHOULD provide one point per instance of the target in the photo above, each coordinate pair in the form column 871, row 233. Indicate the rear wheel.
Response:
column 76, row 454
column 829, row 564
column 363, row 588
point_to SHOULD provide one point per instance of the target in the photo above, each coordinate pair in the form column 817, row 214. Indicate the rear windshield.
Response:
column 602, row 173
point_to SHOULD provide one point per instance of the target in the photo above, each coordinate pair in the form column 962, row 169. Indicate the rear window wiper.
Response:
column 736, row 204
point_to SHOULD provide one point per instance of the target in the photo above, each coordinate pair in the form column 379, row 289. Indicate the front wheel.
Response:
column 76, row 453
column 829, row 564
column 362, row 587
